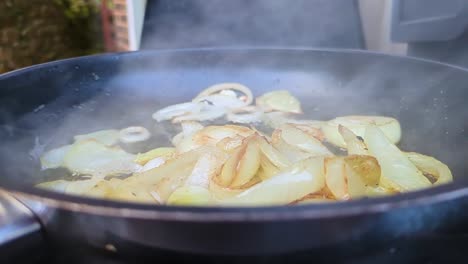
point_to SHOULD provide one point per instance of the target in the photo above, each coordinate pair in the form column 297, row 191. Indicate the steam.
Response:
column 426, row 98
column 207, row 23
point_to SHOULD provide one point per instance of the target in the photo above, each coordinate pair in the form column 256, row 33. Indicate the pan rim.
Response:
column 262, row 213
column 226, row 49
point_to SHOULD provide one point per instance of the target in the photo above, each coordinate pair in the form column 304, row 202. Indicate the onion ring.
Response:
column 134, row 134
column 176, row 110
column 226, row 86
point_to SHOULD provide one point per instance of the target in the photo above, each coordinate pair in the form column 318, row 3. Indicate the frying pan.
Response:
column 43, row 106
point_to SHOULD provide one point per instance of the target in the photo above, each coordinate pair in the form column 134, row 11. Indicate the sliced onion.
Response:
column 366, row 167
column 354, row 145
column 134, row 134
column 222, row 101
column 312, row 129
column 299, row 139
column 70, row 187
column 151, row 164
column 207, row 113
column 54, row 158
column 241, row 166
column 93, row 158
column 228, row 144
column 107, row 137
column 206, row 168
column 143, row 158
column 179, row 165
column 357, row 124
column 372, row 191
column 280, row 100
column 183, row 141
column 217, row 88
column 191, row 195
column 58, row 185
column 125, row 190
column 182, row 169
column 281, row 189
column 81, row 186
column 176, row 110
column 272, row 154
column 276, row 119
column 398, row 172
column 343, row 182
column 432, row 166
column 211, row 135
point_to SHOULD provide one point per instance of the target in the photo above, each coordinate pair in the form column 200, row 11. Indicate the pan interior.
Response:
column 44, row 106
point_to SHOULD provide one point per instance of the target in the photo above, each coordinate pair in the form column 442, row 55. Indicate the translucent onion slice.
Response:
column 357, row 124
column 58, row 185
column 81, row 186
column 211, row 135
column 206, row 168
column 143, row 158
column 191, row 195
column 207, row 113
column 354, row 144
column 93, row 158
column 342, row 181
column 276, row 119
column 222, row 101
column 71, row 187
column 197, row 172
column 154, row 163
column 297, row 138
column 184, row 140
column 228, row 144
column 372, row 191
column 241, row 166
column 129, row 190
column 54, row 158
column 366, row 167
column 222, row 193
column 432, row 166
column 271, row 161
column 248, row 164
column 107, row 137
column 222, row 87
column 272, row 154
column 179, row 166
column 176, row 110
column 398, row 172
column 282, row 189
column 293, row 153
column 312, row 129
column 280, row 100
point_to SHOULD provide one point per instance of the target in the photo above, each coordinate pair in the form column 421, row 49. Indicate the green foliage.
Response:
column 36, row 31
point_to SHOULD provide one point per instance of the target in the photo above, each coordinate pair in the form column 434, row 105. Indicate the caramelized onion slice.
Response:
column 357, row 124
column 284, row 188
column 432, row 166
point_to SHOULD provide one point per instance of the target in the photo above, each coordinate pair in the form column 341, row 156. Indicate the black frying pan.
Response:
column 49, row 103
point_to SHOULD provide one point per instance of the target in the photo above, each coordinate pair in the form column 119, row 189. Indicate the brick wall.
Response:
column 120, row 25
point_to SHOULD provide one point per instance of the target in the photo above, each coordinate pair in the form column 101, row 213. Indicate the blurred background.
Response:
column 37, row 31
